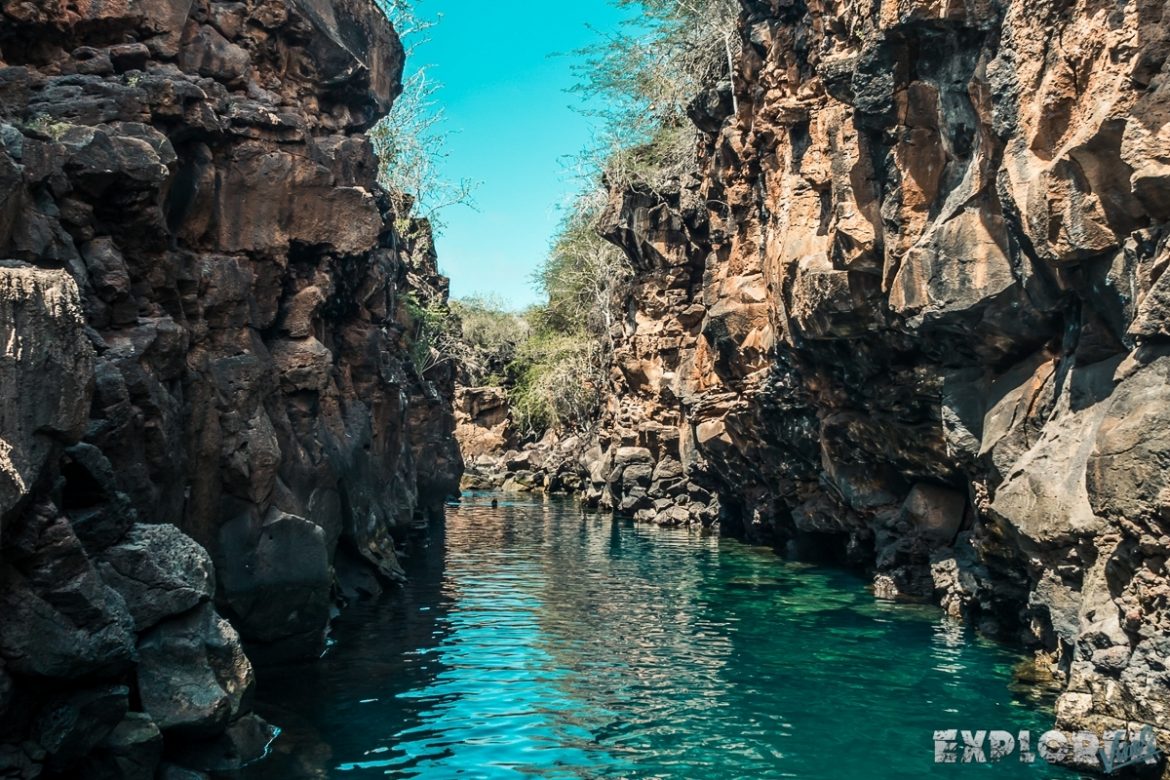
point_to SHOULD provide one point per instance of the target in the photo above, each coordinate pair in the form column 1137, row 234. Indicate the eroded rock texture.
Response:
column 209, row 414
column 912, row 309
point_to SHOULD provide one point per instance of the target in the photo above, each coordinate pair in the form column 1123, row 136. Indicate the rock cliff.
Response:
column 211, row 424
column 911, row 310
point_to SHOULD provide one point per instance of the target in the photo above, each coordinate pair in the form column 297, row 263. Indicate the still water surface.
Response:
column 533, row 641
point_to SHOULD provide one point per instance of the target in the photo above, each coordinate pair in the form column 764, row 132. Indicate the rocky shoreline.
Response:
column 212, row 426
column 909, row 310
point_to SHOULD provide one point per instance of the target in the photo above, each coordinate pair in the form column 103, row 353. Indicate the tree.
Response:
column 583, row 275
column 489, row 338
column 411, row 141
column 647, row 72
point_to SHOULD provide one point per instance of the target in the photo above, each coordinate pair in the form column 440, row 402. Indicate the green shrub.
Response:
column 584, row 275
column 411, row 141
column 645, row 74
column 556, row 383
column 430, row 337
column 489, row 337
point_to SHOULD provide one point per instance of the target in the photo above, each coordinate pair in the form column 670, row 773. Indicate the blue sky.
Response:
column 512, row 127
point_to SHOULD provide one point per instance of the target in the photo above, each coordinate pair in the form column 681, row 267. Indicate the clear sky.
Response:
column 512, row 127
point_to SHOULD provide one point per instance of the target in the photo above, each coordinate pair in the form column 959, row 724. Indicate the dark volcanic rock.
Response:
column 40, row 325
column 193, row 676
column 244, row 742
column 131, row 751
column 6, row 688
column 60, row 619
column 159, row 571
column 71, row 726
column 100, row 514
column 206, row 335
column 277, row 578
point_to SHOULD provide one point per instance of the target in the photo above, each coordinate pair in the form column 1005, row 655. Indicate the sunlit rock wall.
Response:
column 911, row 312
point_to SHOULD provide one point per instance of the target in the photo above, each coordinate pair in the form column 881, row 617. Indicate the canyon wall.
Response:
column 911, row 311
column 211, row 425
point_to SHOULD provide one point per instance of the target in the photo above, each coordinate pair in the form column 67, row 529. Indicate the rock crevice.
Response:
column 211, row 418
column 908, row 311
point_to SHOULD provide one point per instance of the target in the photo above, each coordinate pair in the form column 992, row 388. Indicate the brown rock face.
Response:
column 207, row 384
column 911, row 310
column 482, row 422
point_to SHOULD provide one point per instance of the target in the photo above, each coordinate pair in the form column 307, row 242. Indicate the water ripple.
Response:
column 533, row 641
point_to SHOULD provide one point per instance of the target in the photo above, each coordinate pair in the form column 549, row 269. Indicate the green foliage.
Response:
column 583, row 274
column 667, row 155
column 430, row 340
column 489, row 338
column 43, row 124
column 645, row 74
column 558, row 373
column 552, row 368
column 554, row 359
column 411, row 141
column 556, row 382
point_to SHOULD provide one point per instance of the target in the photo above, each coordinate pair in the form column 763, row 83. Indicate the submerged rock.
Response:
column 130, row 752
column 244, row 742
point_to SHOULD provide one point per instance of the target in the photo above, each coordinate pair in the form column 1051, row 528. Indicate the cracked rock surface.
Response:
column 211, row 414
column 910, row 309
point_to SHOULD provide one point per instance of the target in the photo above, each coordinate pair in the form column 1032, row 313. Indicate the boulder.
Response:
column 1045, row 498
column 130, row 752
column 628, row 455
column 69, row 726
column 1126, row 475
column 159, row 572
column 193, row 676
column 243, row 742
column 276, row 577
column 205, row 51
column 668, row 469
column 637, row 474
column 169, row 771
column 936, row 512
column 60, row 619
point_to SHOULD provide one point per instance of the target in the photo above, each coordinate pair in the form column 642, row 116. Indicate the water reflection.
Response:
column 534, row 641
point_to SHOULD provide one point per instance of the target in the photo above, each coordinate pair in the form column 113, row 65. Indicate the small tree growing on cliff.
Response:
column 556, row 382
column 489, row 338
column 559, row 372
column 411, row 140
column 644, row 76
column 583, row 274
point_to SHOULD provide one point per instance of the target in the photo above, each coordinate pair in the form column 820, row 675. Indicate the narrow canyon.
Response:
column 903, row 311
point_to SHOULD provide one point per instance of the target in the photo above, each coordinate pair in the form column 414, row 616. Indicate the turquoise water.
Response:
column 533, row 641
